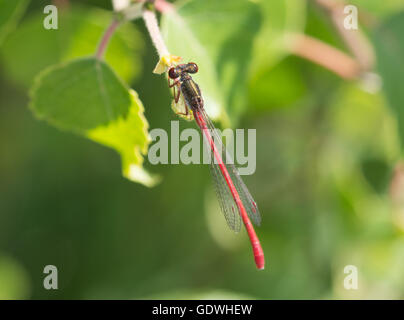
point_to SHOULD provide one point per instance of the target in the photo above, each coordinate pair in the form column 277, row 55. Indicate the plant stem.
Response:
column 120, row 4
column 355, row 41
column 61, row 4
column 152, row 26
column 325, row 55
column 105, row 39
column 163, row 6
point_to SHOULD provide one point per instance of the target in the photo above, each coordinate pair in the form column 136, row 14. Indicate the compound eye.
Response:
column 192, row 67
column 172, row 73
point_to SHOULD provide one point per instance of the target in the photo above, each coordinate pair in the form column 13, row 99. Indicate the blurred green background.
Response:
column 329, row 182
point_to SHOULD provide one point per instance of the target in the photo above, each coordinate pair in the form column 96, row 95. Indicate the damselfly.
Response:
column 235, row 200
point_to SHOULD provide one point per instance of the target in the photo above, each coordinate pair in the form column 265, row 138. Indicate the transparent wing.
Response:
column 226, row 199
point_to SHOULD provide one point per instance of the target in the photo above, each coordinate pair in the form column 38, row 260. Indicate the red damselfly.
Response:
column 235, row 200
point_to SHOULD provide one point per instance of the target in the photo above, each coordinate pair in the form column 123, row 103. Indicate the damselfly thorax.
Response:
column 186, row 85
column 191, row 92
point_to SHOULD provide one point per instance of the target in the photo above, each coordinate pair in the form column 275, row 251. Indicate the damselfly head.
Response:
column 191, row 67
column 173, row 73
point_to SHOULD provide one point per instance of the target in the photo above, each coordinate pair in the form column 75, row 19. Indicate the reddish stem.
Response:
column 105, row 39
column 355, row 41
column 325, row 55
column 61, row 4
column 163, row 6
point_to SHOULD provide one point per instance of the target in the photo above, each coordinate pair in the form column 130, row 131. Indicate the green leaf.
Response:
column 275, row 87
column 124, row 48
column 389, row 43
column 280, row 19
column 14, row 280
column 377, row 172
column 129, row 136
column 356, row 116
column 85, row 96
column 80, row 95
column 10, row 14
column 226, row 38
column 79, row 33
column 31, row 48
